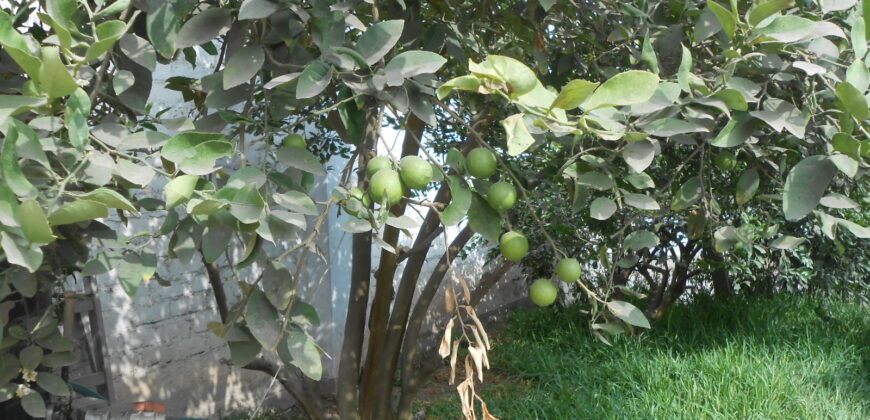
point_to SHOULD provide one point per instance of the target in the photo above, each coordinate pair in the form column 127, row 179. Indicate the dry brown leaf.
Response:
column 485, row 412
column 453, row 355
column 477, row 356
column 479, row 324
column 465, row 291
column 444, row 349
column 450, row 298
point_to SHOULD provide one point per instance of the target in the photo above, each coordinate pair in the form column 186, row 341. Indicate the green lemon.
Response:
column 378, row 163
column 513, row 245
column 501, row 196
column 386, row 184
column 480, row 163
column 416, row 172
column 568, row 270
column 726, row 160
column 543, row 292
column 296, row 141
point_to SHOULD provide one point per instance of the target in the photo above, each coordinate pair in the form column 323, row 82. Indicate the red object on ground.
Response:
column 149, row 407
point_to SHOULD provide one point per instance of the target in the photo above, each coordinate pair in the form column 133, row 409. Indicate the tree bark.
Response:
column 380, row 311
column 722, row 288
column 354, row 328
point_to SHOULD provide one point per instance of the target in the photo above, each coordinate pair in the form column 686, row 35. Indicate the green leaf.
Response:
column 204, row 27
column 262, row 319
column 313, row 80
column 688, row 194
column 726, row 18
column 733, row 98
column 466, row 83
column 179, row 190
column 214, row 242
column 196, row 153
column 379, row 39
column 628, row 313
column 78, row 211
column 87, row 392
column 853, row 101
column 139, row 50
column 257, row 9
column 19, row 254
column 278, row 286
column 747, row 185
column 243, row 65
column 763, row 10
column 788, row 28
column 17, row 46
column 483, row 219
column 573, row 94
column 858, row 76
column 11, row 169
column 460, row 202
column 641, row 201
column 55, row 79
column 838, row 201
column 639, row 155
column 805, row 185
column 134, row 269
column 412, row 63
column 34, row 405
column 628, row 88
column 111, row 8
column 244, row 352
column 108, row 33
column 641, row 181
column 858, row 36
column 297, row 202
column 685, row 71
column 518, row 77
column 602, row 208
column 109, row 198
column 596, row 180
column 30, row 357
column 303, row 353
column 640, row 239
column 247, row 204
column 518, row 137
column 122, row 80
column 53, row 384
column 34, row 224
column 162, row 24
column 787, row 242
column 736, row 132
column 300, row 159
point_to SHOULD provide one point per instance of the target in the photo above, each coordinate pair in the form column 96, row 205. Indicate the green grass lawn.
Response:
column 783, row 358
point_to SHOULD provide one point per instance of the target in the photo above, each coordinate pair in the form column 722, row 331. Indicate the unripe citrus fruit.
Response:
column 295, row 140
column 480, row 163
column 513, row 245
column 378, row 163
column 568, row 269
column 386, row 183
column 543, row 292
column 726, row 160
column 501, row 196
column 416, row 172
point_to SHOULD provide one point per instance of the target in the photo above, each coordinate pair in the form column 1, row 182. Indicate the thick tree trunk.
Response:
column 380, row 311
column 670, row 294
column 722, row 287
column 354, row 328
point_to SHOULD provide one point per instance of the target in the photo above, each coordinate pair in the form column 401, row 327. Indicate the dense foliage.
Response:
column 676, row 126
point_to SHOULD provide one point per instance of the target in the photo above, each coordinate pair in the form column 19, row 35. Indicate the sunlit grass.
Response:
column 782, row 358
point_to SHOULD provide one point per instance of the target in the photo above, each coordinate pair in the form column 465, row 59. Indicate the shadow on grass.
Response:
column 778, row 358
